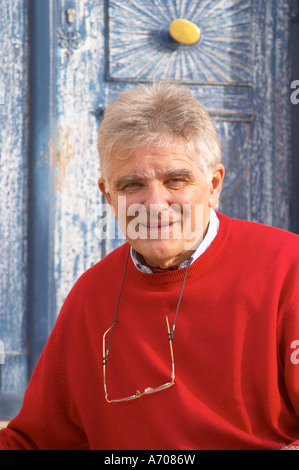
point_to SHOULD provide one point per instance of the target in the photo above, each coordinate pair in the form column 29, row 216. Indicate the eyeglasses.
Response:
column 148, row 390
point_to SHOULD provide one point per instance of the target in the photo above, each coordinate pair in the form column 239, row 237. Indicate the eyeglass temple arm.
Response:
column 104, row 359
column 171, row 333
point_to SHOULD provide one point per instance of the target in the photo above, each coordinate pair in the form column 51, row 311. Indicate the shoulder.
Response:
column 111, row 266
column 101, row 279
column 93, row 294
column 245, row 228
column 263, row 239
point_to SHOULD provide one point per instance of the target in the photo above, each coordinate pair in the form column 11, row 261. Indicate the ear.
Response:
column 102, row 188
column 216, row 184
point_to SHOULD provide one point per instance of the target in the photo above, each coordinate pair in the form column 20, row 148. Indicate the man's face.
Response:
column 161, row 200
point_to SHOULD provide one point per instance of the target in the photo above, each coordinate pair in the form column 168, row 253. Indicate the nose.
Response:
column 156, row 198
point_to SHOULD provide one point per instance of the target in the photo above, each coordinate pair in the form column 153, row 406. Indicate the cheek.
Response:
column 115, row 206
column 124, row 208
column 197, row 196
column 195, row 205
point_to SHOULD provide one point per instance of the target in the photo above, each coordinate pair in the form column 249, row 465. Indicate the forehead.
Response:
column 152, row 158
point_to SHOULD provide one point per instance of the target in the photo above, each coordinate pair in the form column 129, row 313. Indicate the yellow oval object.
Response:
column 184, row 31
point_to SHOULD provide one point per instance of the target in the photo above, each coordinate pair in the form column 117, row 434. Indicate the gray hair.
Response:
column 158, row 114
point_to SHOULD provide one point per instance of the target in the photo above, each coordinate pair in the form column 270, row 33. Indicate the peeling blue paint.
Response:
column 13, row 202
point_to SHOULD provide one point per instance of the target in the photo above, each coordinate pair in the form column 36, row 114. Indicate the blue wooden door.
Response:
column 13, row 206
column 82, row 54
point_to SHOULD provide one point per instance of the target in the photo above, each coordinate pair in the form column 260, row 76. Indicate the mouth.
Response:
column 159, row 225
column 160, row 231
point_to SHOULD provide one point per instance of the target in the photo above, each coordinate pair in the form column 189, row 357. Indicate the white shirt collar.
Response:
column 209, row 237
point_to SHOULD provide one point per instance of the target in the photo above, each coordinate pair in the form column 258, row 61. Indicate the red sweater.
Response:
column 237, row 370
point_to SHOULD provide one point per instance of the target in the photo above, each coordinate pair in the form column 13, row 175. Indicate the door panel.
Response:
column 140, row 47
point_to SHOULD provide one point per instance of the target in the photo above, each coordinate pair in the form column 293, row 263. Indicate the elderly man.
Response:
column 187, row 336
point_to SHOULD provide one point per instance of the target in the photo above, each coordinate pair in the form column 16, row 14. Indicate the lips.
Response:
column 166, row 220
column 168, row 224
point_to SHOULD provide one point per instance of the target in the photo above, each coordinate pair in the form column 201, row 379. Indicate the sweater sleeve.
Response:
column 43, row 422
column 291, row 361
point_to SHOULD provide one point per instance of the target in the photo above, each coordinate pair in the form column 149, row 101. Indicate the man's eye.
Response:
column 129, row 186
column 176, row 181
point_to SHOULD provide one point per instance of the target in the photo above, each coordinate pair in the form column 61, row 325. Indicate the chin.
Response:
column 159, row 252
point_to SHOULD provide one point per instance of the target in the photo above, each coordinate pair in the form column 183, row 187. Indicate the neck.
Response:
column 168, row 264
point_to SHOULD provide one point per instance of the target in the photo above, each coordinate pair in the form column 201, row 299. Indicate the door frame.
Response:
column 41, row 303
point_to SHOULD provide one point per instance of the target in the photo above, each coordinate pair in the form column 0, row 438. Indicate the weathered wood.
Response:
column 80, row 92
column 13, row 206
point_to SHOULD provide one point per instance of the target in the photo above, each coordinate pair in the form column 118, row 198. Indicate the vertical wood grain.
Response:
column 13, row 203
column 80, row 92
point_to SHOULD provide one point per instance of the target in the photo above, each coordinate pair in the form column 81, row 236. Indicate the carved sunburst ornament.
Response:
column 141, row 48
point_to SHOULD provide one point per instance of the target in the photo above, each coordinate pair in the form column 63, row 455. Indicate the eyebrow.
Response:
column 150, row 174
